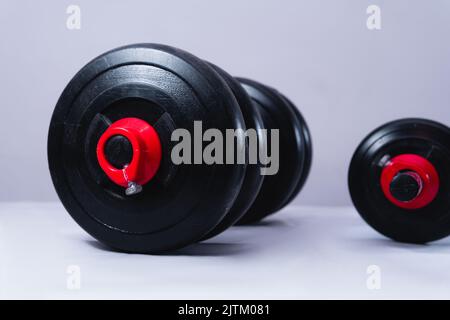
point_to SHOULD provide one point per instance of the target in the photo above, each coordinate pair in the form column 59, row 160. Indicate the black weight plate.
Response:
column 308, row 151
column 425, row 138
column 278, row 188
column 169, row 89
column 253, row 179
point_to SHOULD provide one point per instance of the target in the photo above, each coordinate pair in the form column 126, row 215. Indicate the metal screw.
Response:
column 133, row 188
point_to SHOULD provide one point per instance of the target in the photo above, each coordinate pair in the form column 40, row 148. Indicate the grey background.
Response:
column 345, row 79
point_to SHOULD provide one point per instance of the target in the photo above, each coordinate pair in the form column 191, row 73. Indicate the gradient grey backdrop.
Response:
column 344, row 78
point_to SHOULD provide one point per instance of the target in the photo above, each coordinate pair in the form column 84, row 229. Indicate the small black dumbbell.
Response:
column 110, row 143
column 399, row 180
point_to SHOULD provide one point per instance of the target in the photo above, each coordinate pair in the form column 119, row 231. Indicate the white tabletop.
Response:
column 299, row 253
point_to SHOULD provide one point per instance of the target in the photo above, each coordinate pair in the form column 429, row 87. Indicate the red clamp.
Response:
column 146, row 152
column 418, row 168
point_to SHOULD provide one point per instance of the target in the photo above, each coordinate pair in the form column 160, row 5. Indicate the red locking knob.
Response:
column 410, row 181
column 129, row 151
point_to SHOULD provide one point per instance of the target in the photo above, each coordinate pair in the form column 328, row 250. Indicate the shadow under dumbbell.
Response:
column 437, row 246
column 100, row 246
column 197, row 249
column 265, row 223
column 210, row 249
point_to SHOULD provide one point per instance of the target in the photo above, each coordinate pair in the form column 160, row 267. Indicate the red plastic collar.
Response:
column 146, row 152
column 425, row 171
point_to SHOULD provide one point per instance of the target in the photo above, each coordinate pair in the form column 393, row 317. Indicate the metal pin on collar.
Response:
column 133, row 188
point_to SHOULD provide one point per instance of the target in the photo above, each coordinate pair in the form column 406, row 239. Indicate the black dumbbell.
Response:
column 109, row 147
column 399, row 180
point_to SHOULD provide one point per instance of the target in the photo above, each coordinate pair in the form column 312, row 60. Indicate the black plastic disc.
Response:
column 277, row 189
column 169, row 89
column 308, row 150
column 253, row 179
column 425, row 138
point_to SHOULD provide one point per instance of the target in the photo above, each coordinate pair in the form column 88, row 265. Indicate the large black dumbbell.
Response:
column 110, row 141
column 399, row 180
